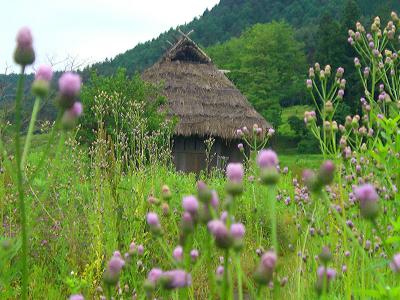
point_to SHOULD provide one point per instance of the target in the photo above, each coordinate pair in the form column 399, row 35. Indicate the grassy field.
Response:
column 296, row 110
column 83, row 208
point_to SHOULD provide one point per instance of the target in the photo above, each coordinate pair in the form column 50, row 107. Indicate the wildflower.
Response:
column 271, row 132
column 153, row 222
column 357, row 63
column 178, row 253
column 114, row 268
column 214, row 199
column 190, row 204
column 69, row 85
column 71, row 115
column 323, row 272
column 175, row 279
column 219, row 272
column 267, row 158
column 325, row 256
column 240, row 147
column 237, row 231
column 368, row 198
column 194, row 254
column 309, row 84
column 235, row 173
column 326, row 172
column 140, row 249
column 76, row 297
column 24, row 54
column 41, row 84
column 222, row 236
column 152, row 278
column 395, row 263
column 266, row 267
column 187, row 222
column 166, row 192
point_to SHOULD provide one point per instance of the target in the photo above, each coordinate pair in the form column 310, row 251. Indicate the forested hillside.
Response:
column 231, row 17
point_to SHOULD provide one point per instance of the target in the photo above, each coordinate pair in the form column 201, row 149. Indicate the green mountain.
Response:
column 230, row 18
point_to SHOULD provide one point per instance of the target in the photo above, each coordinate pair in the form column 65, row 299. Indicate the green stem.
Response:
column 273, row 219
column 239, row 276
column 21, row 199
column 28, row 140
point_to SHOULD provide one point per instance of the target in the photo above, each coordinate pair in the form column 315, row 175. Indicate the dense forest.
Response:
column 231, row 17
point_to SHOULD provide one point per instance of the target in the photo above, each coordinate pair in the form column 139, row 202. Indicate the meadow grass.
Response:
column 81, row 209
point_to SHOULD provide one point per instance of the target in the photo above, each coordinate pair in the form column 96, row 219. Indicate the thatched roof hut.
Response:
column 205, row 101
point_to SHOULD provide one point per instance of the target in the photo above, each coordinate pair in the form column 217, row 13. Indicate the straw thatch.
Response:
column 200, row 95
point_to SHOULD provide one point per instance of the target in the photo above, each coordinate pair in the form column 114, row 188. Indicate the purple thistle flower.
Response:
column 154, row 275
column 140, row 249
column 235, row 172
column 176, row 279
column 238, row 230
column 194, row 254
column 330, row 273
column 190, row 204
column 268, row 260
column 69, row 84
column 76, row 297
column 214, row 199
column 24, row 38
column 152, row 220
column 178, row 253
column 395, row 263
column 115, row 264
column 44, row 73
column 267, row 159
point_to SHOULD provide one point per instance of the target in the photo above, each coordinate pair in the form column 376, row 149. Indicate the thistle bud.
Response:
column 69, row 88
column 153, row 222
column 24, row 54
column 311, row 73
column 266, row 268
column 368, row 198
column 325, row 256
column 357, row 63
column 395, row 263
column 223, row 238
column 326, row 172
column 309, row 84
column 166, row 193
column 394, row 17
column 71, row 115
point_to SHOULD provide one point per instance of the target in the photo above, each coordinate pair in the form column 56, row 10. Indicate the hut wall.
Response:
column 189, row 153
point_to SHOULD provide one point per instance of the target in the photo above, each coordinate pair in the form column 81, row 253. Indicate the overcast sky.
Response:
column 90, row 29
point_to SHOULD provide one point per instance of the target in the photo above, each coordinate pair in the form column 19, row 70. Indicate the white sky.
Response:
column 90, row 30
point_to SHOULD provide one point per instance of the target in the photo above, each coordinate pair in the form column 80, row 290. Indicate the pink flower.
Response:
column 366, row 193
column 24, row 38
column 69, row 84
column 44, row 73
column 267, row 159
column 395, row 263
column 268, row 260
column 194, row 254
column 152, row 220
column 154, row 275
column 76, row 297
column 115, row 264
column 176, row 279
column 190, row 204
column 238, row 230
column 235, row 172
column 178, row 253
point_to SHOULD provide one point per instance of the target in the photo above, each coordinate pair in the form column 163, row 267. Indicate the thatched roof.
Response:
column 200, row 95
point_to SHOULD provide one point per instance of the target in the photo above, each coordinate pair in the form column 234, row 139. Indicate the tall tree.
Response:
column 266, row 63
